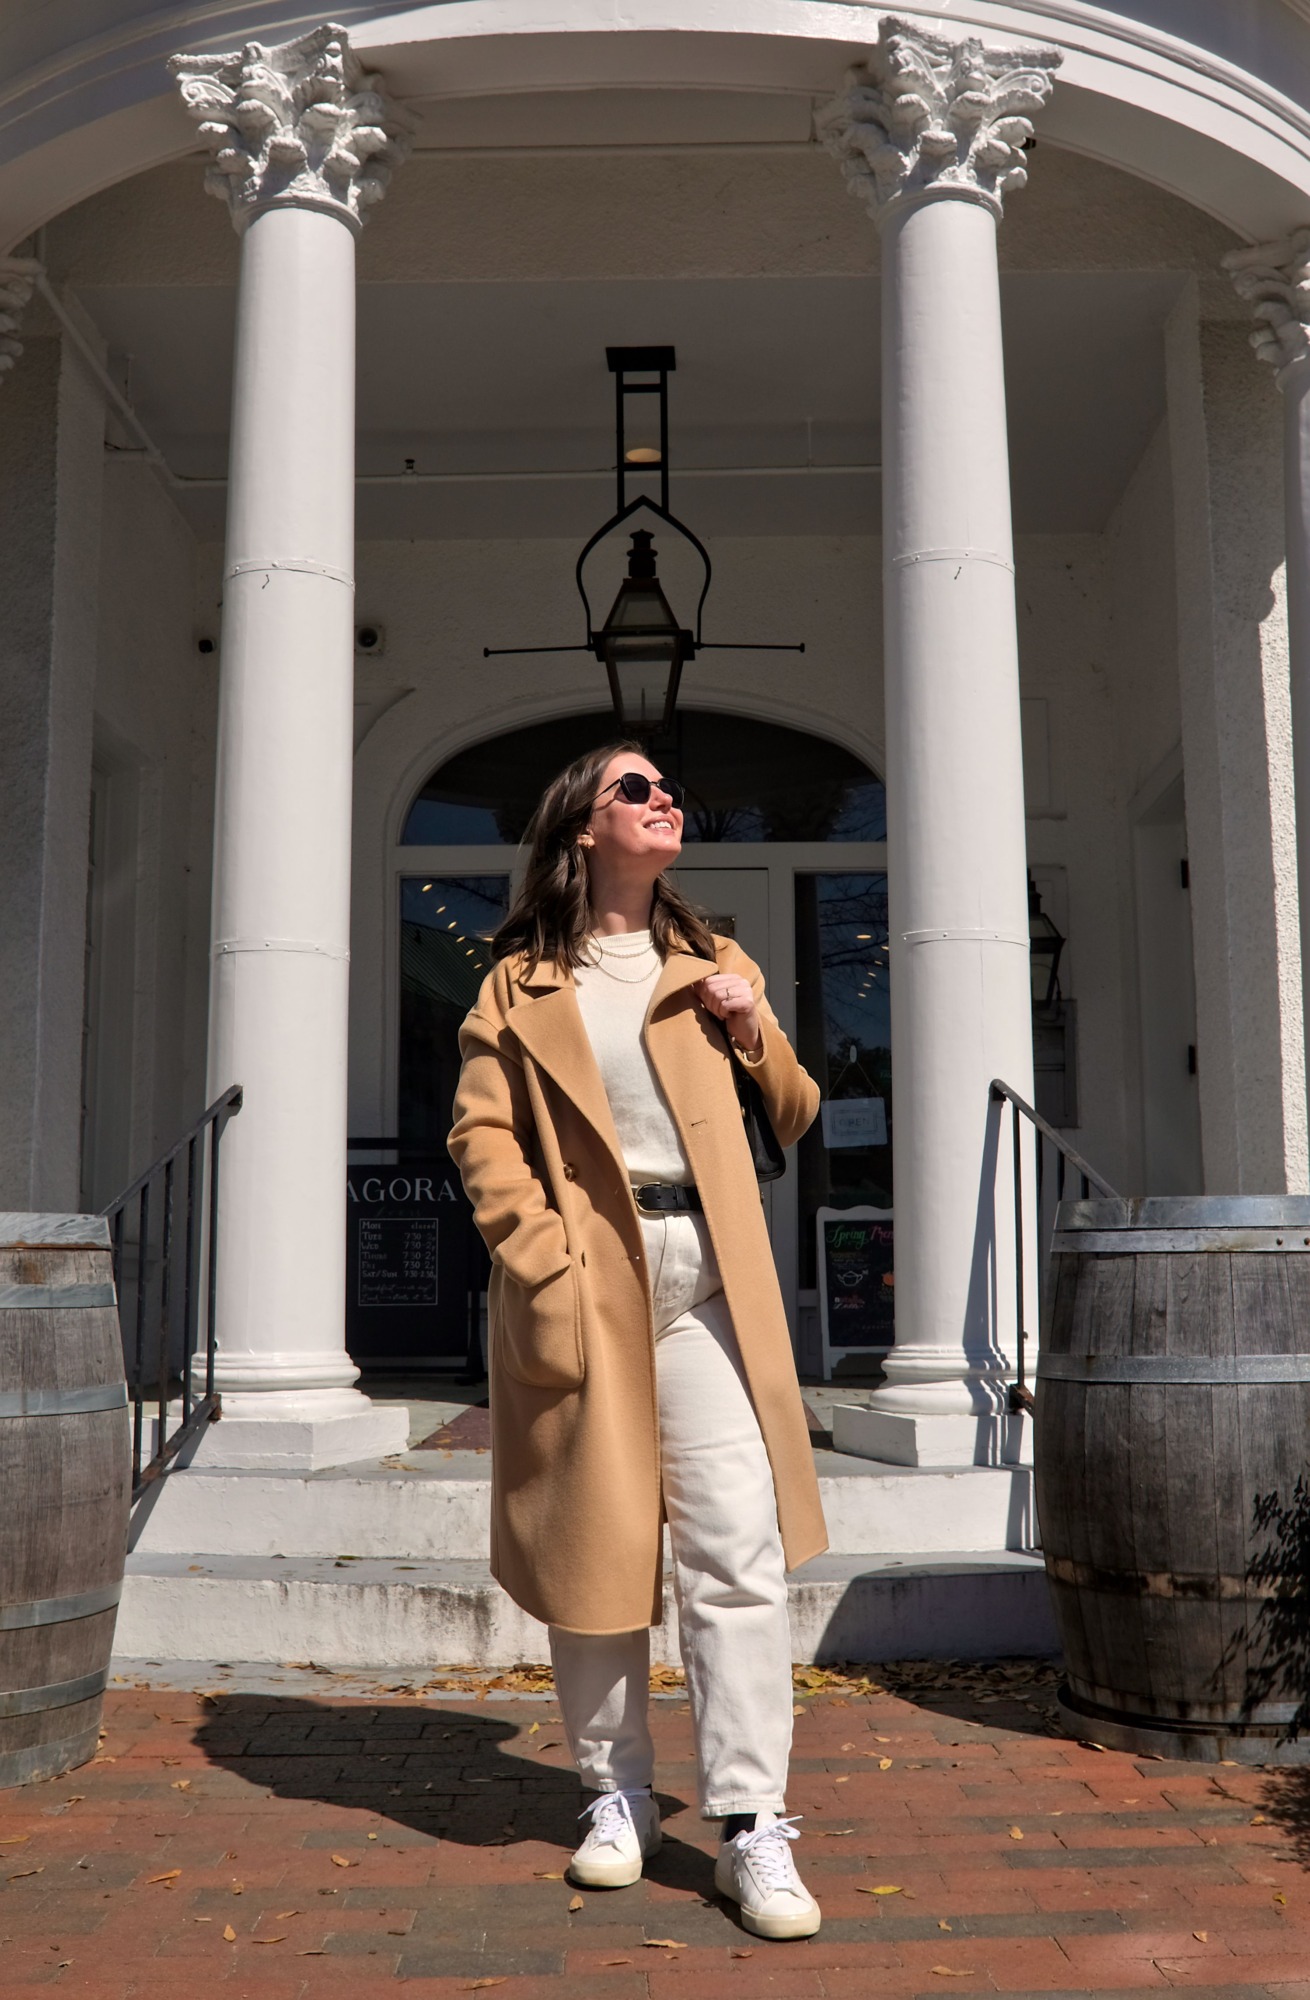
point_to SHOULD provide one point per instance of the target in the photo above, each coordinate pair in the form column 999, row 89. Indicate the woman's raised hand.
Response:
column 729, row 996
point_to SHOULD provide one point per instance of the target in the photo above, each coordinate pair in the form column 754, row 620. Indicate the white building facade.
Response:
column 996, row 439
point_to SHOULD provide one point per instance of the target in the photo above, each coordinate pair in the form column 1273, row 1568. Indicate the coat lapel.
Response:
column 682, row 1053
column 550, row 1027
column 549, row 1024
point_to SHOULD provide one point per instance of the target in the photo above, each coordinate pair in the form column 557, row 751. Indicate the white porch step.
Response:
column 379, row 1613
column 427, row 1507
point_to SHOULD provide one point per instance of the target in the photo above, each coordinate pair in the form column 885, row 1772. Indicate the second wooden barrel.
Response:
column 65, row 1488
column 1173, row 1473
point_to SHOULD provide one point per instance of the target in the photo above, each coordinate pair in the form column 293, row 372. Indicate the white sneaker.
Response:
column 625, row 1830
column 757, row 1871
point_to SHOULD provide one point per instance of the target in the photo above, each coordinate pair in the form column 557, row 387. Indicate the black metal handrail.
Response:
column 160, row 1322
column 1020, row 1396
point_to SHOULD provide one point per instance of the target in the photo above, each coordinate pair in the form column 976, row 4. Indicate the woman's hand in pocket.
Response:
column 538, row 1331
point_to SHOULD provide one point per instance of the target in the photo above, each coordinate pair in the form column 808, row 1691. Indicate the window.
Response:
column 746, row 781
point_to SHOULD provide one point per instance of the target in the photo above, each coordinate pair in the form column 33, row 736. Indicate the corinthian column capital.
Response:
column 301, row 126
column 17, row 278
column 928, row 116
column 1274, row 279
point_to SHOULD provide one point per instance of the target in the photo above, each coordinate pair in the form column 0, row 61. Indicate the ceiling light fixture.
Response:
column 641, row 644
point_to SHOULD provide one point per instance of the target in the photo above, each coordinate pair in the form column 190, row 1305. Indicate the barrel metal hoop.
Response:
column 1225, row 1238
column 56, row 1298
column 1100, row 1703
column 63, row 1402
column 59, row 1694
column 1202, row 1369
column 59, row 1610
column 1188, row 1586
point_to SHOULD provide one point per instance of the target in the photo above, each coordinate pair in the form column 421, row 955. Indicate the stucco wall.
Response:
column 155, row 700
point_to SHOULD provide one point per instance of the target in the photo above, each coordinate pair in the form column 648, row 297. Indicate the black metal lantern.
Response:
column 1045, row 943
column 641, row 645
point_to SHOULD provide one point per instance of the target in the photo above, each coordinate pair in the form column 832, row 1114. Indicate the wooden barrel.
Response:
column 1173, row 1473
column 65, row 1488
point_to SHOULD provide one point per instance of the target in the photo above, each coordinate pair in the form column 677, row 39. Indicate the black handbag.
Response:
column 767, row 1156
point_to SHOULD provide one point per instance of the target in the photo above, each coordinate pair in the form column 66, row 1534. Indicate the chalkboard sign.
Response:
column 414, row 1263
column 857, row 1298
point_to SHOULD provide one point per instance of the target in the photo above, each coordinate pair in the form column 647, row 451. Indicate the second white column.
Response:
column 930, row 134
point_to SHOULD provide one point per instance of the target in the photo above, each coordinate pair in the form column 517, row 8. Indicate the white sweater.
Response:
column 613, row 1007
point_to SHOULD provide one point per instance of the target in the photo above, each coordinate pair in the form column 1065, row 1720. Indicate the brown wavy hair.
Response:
column 551, row 915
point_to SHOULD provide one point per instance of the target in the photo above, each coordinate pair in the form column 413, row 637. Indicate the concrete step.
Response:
column 372, row 1612
column 430, row 1507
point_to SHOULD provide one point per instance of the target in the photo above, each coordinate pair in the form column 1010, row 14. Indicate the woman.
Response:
column 641, row 1367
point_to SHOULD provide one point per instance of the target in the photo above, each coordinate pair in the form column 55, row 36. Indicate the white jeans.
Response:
column 728, row 1574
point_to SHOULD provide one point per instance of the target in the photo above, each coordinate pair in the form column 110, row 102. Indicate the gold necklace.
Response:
column 598, row 952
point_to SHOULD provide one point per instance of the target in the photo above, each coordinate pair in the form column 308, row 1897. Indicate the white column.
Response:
column 1275, row 278
column 302, row 142
column 930, row 135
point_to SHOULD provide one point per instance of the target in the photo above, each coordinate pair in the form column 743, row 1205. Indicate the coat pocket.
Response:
column 538, row 1336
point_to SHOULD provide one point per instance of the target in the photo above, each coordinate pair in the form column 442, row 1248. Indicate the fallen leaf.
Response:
column 342, row 1862
column 202, row 1920
column 554, row 1744
column 25, row 1871
column 372, row 1836
column 180, row 1785
column 314, row 1951
column 848, row 1746
column 282, row 1915
column 532, row 1732
column 15, row 1839
column 1202, row 1937
column 576, row 1903
column 952, row 1971
column 270, row 1940
column 745, row 1952
column 942, row 1924
column 475, row 1985
column 238, row 1888
column 884, row 1763
column 845, row 1780
column 616, row 1961
column 169, row 1875
column 170, row 1761
column 882, row 1889
column 1016, row 1833
column 229, row 1934
column 669, row 1944
column 880, row 1739
column 1085, row 1744
column 1279, row 1897
column 548, row 1875
column 829, row 1832
column 1258, row 1820
column 797, row 1709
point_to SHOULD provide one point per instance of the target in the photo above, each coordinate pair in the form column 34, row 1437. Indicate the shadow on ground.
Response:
column 459, row 1774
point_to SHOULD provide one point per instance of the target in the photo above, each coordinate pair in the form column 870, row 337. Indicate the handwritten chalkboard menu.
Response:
column 414, row 1263
column 857, row 1298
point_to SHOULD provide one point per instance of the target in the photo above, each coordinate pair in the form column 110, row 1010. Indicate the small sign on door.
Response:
column 854, row 1121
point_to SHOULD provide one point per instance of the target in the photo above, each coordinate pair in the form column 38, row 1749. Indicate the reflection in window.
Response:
column 446, row 924
column 843, row 1037
column 746, row 781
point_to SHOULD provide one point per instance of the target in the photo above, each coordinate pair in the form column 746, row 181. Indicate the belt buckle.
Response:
column 644, row 1208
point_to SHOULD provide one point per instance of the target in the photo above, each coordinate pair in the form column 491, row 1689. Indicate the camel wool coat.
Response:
column 577, row 1508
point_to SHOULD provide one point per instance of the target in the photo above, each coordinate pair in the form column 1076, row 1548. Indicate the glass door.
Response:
column 843, row 1036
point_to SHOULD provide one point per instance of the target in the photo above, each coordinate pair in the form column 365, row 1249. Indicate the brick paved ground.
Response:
column 287, row 1847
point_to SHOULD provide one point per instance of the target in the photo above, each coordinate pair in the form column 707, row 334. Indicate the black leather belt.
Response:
column 663, row 1198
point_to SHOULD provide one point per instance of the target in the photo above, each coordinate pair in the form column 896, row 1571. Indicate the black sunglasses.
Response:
column 636, row 788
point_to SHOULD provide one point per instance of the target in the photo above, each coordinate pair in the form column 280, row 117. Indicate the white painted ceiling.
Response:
column 773, row 408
